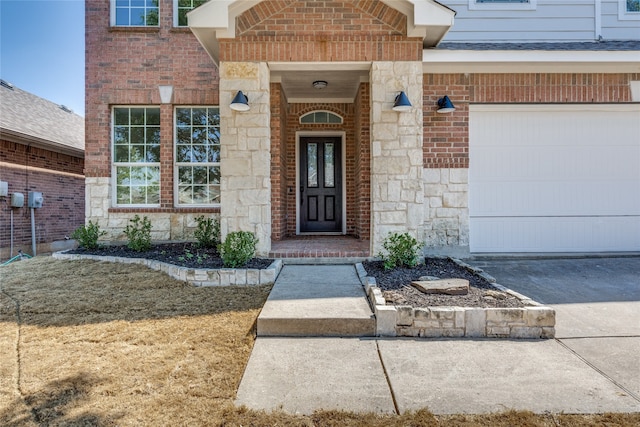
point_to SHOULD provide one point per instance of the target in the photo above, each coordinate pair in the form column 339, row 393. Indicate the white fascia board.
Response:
column 529, row 61
column 423, row 16
column 215, row 20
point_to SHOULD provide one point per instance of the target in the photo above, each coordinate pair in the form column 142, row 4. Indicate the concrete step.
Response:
column 317, row 301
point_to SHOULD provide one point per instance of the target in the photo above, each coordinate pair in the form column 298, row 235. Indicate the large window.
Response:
column 135, row 13
column 197, row 156
column 633, row 5
column 181, row 8
column 136, row 156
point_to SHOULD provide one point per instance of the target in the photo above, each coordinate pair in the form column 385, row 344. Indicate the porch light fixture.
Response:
column 445, row 105
column 240, row 102
column 320, row 84
column 401, row 103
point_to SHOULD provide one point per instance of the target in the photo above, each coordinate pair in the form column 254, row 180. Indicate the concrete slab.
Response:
column 615, row 319
column 317, row 300
column 301, row 375
column 482, row 376
column 568, row 280
column 617, row 358
column 592, row 296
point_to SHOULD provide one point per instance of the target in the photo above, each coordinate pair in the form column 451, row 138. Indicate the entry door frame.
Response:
column 310, row 134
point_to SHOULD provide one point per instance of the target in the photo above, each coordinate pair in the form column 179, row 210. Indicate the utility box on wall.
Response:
column 4, row 189
column 17, row 200
column 35, row 199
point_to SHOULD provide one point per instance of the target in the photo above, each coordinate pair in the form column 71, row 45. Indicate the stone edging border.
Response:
column 530, row 322
column 195, row 276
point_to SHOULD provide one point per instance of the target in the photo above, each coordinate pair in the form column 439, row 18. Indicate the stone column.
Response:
column 397, row 187
column 245, row 153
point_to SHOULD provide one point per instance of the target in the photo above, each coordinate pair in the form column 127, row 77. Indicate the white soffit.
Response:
column 528, row 61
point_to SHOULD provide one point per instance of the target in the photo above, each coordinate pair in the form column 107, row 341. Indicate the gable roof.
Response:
column 28, row 119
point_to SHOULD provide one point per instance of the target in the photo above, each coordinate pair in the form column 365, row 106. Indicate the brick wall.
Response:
column 362, row 209
column 318, row 30
column 58, row 176
column 278, row 162
column 446, row 136
column 125, row 66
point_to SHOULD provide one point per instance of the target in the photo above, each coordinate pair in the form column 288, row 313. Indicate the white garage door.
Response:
column 554, row 178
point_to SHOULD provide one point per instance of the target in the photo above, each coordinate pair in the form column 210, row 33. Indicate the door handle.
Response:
column 301, row 193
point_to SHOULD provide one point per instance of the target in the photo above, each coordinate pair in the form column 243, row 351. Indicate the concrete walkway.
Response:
column 591, row 372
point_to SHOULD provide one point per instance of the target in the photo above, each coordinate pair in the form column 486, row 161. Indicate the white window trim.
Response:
column 112, row 17
column 623, row 15
column 530, row 5
column 176, row 194
column 114, row 175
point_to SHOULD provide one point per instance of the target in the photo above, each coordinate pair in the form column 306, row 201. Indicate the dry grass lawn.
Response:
column 86, row 343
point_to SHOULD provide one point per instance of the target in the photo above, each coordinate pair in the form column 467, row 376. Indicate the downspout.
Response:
column 598, row 20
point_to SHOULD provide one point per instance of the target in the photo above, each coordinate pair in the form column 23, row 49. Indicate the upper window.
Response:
column 629, row 10
column 181, row 8
column 134, row 13
column 136, row 156
column 502, row 4
column 321, row 117
column 197, row 155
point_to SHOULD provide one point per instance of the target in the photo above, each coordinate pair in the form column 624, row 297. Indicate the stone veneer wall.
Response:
column 446, row 194
column 166, row 225
column 397, row 188
column 245, row 152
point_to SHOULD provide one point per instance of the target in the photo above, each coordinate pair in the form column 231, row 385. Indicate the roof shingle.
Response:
column 27, row 114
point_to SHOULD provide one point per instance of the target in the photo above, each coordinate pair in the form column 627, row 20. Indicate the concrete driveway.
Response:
column 597, row 303
column 592, row 367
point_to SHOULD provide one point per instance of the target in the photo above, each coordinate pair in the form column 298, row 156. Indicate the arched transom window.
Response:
column 321, row 117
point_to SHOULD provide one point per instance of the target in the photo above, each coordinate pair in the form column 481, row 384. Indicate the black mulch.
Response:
column 181, row 254
column 397, row 290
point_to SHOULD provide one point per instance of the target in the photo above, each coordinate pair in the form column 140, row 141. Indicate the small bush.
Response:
column 139, row 234
column 208, row 232
column 401, row 250
column 88, row 235
column 238, row 248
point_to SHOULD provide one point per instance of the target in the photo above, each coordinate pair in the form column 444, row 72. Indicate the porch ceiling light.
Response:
column 445, row 105
column 320, row 84
column 240, row 102
column 401, row 103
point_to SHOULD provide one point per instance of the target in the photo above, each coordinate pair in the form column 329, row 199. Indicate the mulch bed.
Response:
column 184, row 254
column 396, row 286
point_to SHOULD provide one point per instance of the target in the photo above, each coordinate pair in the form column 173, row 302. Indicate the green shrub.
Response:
column 88, row 235
column 208, row 232
column 238, row 248
column 401, row 250
column 139, row 234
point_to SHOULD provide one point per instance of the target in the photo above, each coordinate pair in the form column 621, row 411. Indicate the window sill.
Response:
column 125, row 29
column 180, row 210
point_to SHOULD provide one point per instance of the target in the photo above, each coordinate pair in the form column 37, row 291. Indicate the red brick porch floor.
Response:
column 320, row 247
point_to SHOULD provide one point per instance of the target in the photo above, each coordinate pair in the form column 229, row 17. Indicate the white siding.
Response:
column 614, row 28
column 551, row 20
column 561, row 178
